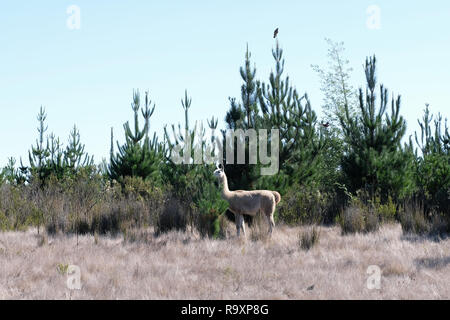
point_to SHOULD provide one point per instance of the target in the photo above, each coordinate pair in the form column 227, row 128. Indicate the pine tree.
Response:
column 433, row 164
column 56, row 160
column 9, row 173
column 245, row 116
column 39, row 154
column 284, row 109
column 138, row 156
column 437, row 142
column 190, row 180
column 74, row 155
column 373, row 157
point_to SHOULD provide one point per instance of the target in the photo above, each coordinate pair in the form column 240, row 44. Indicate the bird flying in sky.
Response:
column 275, row 33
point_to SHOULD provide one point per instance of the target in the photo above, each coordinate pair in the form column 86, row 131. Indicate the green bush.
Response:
column 302, row 205
column 14, row 208
column 433, row 178
column 359, row 217
column 209, row 211
column 174, row 216
column 386, row 211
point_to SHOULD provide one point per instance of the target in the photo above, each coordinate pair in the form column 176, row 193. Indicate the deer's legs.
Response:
column 271, row 223
column 242, row 222
column 239, row 219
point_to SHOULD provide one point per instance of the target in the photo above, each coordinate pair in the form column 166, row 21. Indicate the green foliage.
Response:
column 174, row 216
column 386, row 211
column 355, row 167
column 62, row 268
column 360, row 216
column 189, row 179
column 302, row 205
column 243, row 116
column 74, row 155
column 433, row 166
column 373, row 158
column 210, row 208
column 4, row 222
column 39, row 153
column 12, row 175
column 52, row 159
column 336, row 87
column 193, row 182
column 138, row 156
column 284, row 109
column 275, row 105
column 14, row 208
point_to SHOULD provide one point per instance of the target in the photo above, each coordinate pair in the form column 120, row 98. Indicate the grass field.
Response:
column 183, row 266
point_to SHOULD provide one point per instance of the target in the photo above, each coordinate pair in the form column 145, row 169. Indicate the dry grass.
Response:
column 182, row 266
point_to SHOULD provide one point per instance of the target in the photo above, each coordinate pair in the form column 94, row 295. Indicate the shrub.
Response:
column 226, row 228
column 440, row 225
column 14, row 208
column 351, row 220
column 359, row 217
column 4, row 222
column 413, row 219
column 303, row 205
column 134, row 235
column 371, row 221
column 208, row 213
column 386, row 211
column 309, row 238
column 172, row 217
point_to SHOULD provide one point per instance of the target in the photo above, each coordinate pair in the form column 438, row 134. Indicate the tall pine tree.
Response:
column 284, row 109
column 139, row 156
column 374, row 159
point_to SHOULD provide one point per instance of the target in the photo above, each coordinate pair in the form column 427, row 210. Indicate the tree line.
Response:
column 356, row 155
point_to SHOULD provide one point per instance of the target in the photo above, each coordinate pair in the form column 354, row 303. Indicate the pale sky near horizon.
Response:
column 86, row 76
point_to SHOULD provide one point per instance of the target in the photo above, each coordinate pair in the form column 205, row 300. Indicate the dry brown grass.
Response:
column 183, row 266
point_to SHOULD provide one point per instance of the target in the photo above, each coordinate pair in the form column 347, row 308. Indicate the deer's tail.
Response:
column 277, row 197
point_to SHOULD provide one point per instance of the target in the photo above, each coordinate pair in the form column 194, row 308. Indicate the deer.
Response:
column 248, row 202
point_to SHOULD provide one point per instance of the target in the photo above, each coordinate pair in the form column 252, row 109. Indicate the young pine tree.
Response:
column 38, row 155
column 139, row 156
column 284, row 109
column 74, row 155
column 433, row 164
column 243, row 117
column 374, row 158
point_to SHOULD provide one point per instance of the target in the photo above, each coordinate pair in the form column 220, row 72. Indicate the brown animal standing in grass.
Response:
column 248, row 202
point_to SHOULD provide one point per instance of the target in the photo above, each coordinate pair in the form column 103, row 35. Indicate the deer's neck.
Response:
column 226, row 194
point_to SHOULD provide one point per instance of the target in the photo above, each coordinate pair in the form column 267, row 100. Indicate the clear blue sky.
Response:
column 87, row 76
